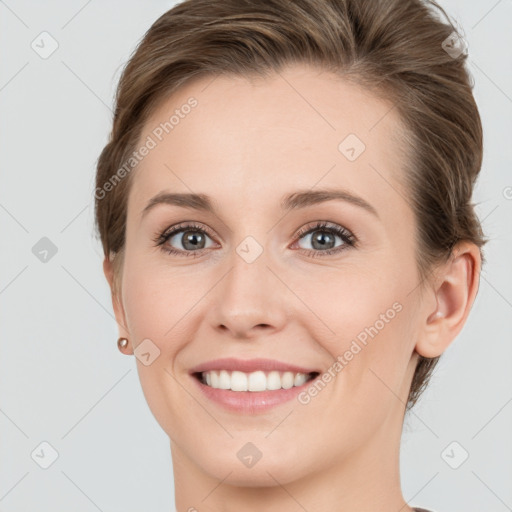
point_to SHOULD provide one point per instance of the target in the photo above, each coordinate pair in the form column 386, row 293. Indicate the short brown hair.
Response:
column 395, row 48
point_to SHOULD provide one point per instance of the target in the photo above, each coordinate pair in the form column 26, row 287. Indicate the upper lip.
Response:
column 250, row 365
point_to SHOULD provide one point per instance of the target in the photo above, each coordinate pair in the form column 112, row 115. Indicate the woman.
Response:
column 285, row 210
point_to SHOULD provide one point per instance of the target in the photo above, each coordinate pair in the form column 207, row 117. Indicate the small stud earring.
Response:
column 122, row 343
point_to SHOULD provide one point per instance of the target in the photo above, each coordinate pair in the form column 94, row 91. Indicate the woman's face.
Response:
column 256, row 278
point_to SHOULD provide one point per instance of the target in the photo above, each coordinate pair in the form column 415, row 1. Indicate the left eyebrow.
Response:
column 293, row 201
column 194, row 201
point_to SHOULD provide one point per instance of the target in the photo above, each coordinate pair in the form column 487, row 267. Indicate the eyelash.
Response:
column 348, row 238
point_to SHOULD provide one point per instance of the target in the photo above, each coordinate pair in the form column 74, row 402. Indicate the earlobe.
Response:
column 454, row 293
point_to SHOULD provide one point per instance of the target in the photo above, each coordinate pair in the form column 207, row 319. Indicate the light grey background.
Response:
column 62, row 378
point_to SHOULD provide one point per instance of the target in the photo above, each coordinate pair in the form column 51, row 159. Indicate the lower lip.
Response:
column 250, row 402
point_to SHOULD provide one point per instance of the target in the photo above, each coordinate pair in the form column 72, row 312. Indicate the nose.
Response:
column 249, row 300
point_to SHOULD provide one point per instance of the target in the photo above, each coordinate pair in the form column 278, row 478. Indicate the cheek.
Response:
column 154, row 307
column 348, row 302
column 152, row 300
column 363, row 318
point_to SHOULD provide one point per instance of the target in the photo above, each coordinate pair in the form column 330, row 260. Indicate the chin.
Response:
column 270, row 470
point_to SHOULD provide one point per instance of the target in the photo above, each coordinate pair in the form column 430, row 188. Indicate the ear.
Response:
column 117, row 303
column 453, row 296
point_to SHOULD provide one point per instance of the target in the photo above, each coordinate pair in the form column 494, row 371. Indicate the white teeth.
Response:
column 255, row 381
column 238, row 381
column 224, row 380
column 287, row 380
column 273, row 381
column 300, row 378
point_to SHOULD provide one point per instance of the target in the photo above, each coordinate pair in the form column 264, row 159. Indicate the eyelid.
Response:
column 321, row 224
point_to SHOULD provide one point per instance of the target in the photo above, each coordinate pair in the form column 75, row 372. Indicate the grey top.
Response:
column 422, row 510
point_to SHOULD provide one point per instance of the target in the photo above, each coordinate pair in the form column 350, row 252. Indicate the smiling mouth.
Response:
column 254, row 381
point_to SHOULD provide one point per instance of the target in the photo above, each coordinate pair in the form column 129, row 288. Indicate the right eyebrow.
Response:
column 304, row 198
column 194, row 201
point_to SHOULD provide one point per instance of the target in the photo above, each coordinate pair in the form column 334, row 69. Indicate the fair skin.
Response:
column 246, row 145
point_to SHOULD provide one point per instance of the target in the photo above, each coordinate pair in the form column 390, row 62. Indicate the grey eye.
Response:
column 190, row 239
column 321, row 239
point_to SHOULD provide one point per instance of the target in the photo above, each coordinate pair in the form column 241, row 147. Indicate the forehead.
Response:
column 228, row 135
